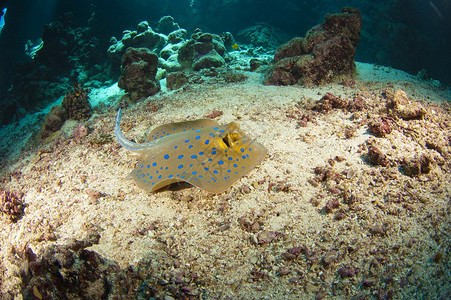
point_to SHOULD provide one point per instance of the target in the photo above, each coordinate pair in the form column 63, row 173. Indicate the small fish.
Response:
column 235, row 46
column 201, row 152
column 2, row 19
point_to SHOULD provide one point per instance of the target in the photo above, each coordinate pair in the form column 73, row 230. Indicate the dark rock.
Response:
column 167, row 25
column 176, row 80
column 254, row 64
column 52, row 122
column 376, row 157
column 76, row 103
column 212, row 59
column 380, row 127
column 139, row 67
column 417, row 165
column 323, row 56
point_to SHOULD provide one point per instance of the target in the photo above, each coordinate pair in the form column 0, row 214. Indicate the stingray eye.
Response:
column 225, row 140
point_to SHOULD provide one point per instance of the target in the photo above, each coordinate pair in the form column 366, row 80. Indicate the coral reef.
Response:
column 142, row 37
column 68, row 54
column 139, row 67
column 324, row 55
column 74, row 272
column 202, row 51
column 166, row 25
column 76, row 103
column 11, row 204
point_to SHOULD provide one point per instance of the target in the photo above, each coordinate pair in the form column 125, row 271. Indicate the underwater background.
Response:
column 225, row 149
column 413, row 35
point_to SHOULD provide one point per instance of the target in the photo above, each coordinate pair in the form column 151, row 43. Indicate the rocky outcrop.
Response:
column 324, row 55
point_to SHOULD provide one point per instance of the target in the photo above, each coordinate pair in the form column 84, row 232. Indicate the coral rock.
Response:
column 139, row 67
column 405, row 108
column 167, row 25
column 176, row 80
column 52, row 122
column 11, row 205
column 77, row 104
column 323, row 56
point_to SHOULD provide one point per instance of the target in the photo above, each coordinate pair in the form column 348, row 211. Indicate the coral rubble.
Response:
column 11, row 204
column 324, row 55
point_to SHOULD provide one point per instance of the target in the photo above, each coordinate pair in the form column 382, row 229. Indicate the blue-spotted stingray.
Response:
column 201, row 152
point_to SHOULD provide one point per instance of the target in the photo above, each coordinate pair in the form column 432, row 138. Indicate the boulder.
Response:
column 324, row 55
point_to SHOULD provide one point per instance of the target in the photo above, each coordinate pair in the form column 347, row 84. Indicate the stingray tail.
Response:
column 122, row 140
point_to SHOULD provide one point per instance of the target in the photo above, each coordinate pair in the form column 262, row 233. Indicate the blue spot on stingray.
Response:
column 166, row 156
column 194, row 173
column 170, row 176
column 138, row 171
column 201, row 153
column 142, row 166
column 190, row 146
column 190, row 165
column 242, row 149
column 186, row 141
column 193, row 156
column 235, row 165
column 166, row 168
column 228, row 171
column 215, row 128
column 222, row 130
column 247, row 155
column 154, row 164
column 206, row 169
column 230, row 158
column 210, row 159
column 244, row 156
column 148, row 166
column 181, row 166
column 200, row 176
column 180, row 156
column 213, row 152
column 159, row 177
column 207, row 142
column 250, row 149
column 150, row 177
column 197, row 137
column 220, row 162
column 198, row 130
column 216, row 172
column 175, row 147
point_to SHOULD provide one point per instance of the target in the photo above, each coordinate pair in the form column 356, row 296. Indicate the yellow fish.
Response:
column 201, row 152
column 235, row 46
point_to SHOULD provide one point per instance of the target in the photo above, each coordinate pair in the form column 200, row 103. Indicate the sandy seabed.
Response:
column 314, row 220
